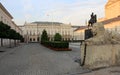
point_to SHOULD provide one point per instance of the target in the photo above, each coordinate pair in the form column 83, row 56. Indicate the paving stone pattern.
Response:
column 34, row 59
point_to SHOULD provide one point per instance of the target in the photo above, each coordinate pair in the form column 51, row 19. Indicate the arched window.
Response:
column 30, row 39
column 33, row 39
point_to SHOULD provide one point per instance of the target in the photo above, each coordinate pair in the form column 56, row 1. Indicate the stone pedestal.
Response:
column 102, row 50
column 98, row 56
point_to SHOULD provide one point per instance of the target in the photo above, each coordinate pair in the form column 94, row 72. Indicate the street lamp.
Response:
column 51, row 30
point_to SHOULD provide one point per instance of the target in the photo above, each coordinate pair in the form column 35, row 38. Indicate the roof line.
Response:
column 4, row 9
column 111, row 20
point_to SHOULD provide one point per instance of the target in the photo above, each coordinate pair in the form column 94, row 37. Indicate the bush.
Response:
column 57, row 37
column 56, row 44
column 44, row 36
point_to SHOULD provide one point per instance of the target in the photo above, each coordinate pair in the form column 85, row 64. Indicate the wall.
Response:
column 113, row 26
column 112, row 9
column 6, row 43
column 79, row 34
column 101, row 56
column 5, row 18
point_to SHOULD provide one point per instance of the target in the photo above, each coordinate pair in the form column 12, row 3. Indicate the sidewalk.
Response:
column 76, row 44
column 106, row 71
column 6, row 50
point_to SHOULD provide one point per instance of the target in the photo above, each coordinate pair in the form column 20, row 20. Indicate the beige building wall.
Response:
column 6, row 18
column 113, row 27
column 16, row 28
column 32, row 31
column 79, row 34
column 112, row 9
column 112, row 12
column 101, row 19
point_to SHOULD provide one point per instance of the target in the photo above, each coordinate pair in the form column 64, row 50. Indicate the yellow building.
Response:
column 112, row 25
column 111, row 20
column 112, row 9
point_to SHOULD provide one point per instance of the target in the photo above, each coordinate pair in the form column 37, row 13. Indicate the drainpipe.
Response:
column 83, row 63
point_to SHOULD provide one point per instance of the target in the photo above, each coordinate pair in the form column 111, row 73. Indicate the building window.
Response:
column 33, row 39
column 37, row 38
column 4, row 20
column 7, row 22
column 1, row 18
column 30, row 39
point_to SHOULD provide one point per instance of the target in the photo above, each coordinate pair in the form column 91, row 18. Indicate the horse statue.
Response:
column 92, row 20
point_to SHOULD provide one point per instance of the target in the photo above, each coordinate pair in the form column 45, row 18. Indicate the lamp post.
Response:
column 51, row 30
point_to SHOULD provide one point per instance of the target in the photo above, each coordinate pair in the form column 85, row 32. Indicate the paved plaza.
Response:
column 34, row 59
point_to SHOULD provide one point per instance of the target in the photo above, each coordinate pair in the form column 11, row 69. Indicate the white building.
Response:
column 6, row 18
column 79, row 34
column 32, row 31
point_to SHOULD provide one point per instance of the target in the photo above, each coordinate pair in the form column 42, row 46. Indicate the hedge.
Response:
column 56, row 44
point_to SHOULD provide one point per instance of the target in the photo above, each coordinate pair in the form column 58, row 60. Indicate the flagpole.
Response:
column 52, row 27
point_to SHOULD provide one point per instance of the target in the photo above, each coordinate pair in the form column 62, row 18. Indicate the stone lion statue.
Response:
column 102, row 36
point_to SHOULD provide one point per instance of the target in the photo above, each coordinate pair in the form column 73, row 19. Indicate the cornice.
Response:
column 111, row 2
column 3, row 8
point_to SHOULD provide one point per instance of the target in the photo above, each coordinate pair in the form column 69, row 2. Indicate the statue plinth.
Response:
column 102, row 50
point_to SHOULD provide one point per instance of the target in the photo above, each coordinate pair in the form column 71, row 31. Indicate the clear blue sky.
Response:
column 75, row 12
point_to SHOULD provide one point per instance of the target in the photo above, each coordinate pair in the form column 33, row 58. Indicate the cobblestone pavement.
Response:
column 115, row 70
column 34, row 59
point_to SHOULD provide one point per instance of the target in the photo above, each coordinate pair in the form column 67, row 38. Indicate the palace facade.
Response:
column 32, row 31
